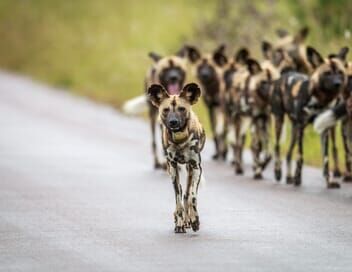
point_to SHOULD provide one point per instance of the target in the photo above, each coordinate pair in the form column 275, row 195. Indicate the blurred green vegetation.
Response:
column 99, row 48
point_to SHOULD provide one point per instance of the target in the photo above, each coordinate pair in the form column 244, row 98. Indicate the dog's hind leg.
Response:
column 153, row 120
column 265, row 124
column 299, row 163
column 238, row 146
column 212, row 119
column 179, row 214
column 325, row 147
column 347, row 177
column 256, row 147
column 336, row 171
column 279, row 120
column 289, row 179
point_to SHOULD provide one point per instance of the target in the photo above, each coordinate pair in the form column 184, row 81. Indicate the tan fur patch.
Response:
column 296, row 88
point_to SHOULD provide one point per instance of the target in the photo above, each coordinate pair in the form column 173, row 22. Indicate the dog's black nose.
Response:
column 173, row 123
column 174, row 78
column 337, row 84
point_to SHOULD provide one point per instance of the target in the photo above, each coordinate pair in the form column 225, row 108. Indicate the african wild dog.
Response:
column 250, row 100
column 302, row 98
column 343, row 112
column 183, row 140
column 295, row 47
column 235, row 66
column 208, row 70
column 170, row 72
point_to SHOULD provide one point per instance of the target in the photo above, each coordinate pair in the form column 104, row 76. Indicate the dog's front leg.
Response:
column 195, row 173
column 179, row 213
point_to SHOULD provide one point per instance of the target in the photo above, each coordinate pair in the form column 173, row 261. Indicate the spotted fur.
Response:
column 170, row 72
column 183, row 140
column 208, row 69
column 302, row 98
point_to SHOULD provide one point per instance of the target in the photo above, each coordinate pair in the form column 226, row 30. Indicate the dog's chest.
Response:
column 185, row 154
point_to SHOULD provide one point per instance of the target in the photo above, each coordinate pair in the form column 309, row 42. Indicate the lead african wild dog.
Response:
column 183, row 140
column 208, row 70
column 170, row 72
column 302, row 98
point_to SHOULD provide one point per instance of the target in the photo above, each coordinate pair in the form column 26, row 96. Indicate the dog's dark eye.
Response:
column 166, row 110
column 328, row 73
column 182, row 109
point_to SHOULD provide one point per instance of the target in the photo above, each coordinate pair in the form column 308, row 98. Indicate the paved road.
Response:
column 77, row 193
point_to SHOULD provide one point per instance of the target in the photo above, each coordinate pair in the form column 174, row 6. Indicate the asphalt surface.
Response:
column 78, row 193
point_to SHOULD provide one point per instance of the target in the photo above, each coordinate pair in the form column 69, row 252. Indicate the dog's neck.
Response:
column 179, row 137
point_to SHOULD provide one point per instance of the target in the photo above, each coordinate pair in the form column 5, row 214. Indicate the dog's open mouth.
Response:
column 173, row 88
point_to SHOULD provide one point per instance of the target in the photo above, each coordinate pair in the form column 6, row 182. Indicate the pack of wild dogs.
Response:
column 243, row 96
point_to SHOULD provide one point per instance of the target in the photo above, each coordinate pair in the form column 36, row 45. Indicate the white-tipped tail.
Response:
column 135, row 105
column 324, row 121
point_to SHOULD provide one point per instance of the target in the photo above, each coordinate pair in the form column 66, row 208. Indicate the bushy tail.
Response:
column 135, row 105
column 324, row 121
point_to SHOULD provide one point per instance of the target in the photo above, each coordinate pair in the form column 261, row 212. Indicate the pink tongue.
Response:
column 173, row 88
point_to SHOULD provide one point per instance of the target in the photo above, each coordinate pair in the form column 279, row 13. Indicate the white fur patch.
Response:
column 324, row 121
column 283, row 135
column 135, row 105
column 245, row 125
column 220, row 123
column 231, row 135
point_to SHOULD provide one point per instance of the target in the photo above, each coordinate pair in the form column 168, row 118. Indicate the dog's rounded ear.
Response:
column 191, row 92
column 242, row 55
column 154, row 56
column 301, row 35
column 156, row 94
column 267, row 49
column 192, row 53
column 253, row 67
column 281, row 33
column 343, row 53
column 182, row 52
column 219, row 55
column 314, row 58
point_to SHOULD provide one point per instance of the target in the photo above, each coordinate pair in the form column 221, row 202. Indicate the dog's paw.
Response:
column 297, row 180
column 162, row 166
column 258, row 176
column 347, row 178
column 333, row 185
column 289, row 180
column 239, row 171
column 195, row 224
column 278, row 174
column 180, row 229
